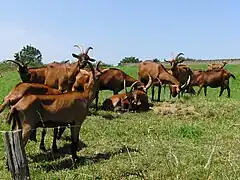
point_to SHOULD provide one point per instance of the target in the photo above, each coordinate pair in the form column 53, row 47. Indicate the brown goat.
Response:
column 111, row 80
column 34, row 111
column 213, row 78
column 56, row 75
column 129, row 99
column 181, row 73
column 217, row 66
column 23, row 89
column 160, row 76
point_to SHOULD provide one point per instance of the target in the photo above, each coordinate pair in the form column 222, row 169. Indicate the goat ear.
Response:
column 74, row 55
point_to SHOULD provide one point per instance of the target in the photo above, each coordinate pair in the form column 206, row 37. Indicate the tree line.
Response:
column 33, row 56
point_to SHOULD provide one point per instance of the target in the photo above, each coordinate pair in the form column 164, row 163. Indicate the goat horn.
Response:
column 79, row 47
column 186, row 83
column 167, row 61
column 18, row 63
column 97, row 67
column 131, row 88
column 149, row 81
column 86, row 52
column 179, row 54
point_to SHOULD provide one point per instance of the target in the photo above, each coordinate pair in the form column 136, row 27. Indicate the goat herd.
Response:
column 59, row 94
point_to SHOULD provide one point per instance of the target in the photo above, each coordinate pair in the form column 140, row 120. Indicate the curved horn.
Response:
column 168, row 61
column 149, row 81
column 100, row 71
column 179, row 54
column 97, row 67
column 18, row 63
column 79, row 47
column 186, row 83
column 86, row 52
column 131, row 88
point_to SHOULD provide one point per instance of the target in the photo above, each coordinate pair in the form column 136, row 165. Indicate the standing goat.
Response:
column 212, row 78
column 56, row 75
column 23, row 89
column 181, row 73
column 160, row 75
column 34, row 111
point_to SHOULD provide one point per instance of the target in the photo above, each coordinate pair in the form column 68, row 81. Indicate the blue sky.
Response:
column 116, row 29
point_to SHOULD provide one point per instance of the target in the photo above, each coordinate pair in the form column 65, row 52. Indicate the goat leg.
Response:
column 54, row 144
column 221, row 91
column 33, row 135
column 60, row 132
column 153, row 93
column 228, row 90
column 75, row 139
column 205, row 91
column 200, row 89
column 159, row 92
column 96, row 105
column 42, row 145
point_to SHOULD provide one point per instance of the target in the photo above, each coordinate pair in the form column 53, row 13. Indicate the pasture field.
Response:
column 188, row 138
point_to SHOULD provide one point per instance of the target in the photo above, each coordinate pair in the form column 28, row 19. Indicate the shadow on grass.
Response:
column 52, row 156
column 85, row 160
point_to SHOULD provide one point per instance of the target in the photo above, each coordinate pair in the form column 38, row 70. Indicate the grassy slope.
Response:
column 153, row 144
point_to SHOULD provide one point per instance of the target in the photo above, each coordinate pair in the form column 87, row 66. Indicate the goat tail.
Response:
column 13, row 118
column 231, row 75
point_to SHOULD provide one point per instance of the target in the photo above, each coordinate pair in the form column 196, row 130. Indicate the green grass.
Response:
column 175, row 140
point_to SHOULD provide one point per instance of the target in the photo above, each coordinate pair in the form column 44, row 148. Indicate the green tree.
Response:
column 129, row 60
column 29, row 54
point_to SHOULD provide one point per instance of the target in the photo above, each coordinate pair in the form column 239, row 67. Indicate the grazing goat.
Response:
column 160, row 76
column 34, row 111
column 181, row 73
column 23, row 89
column 129, row 100
column 217, row 66
column 111, row 80
column 213, row 78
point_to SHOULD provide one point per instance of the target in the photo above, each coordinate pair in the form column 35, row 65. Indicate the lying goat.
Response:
column 213, row 78
column 34, row 111
column 112, row 80
column 132, row 100
column 217, row 66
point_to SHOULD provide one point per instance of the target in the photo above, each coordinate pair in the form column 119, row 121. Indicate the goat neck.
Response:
column 93, row 84
column 73, row 70
column 129, row 80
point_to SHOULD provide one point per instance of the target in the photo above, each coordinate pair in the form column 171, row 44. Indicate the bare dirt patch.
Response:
column 166, row 108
